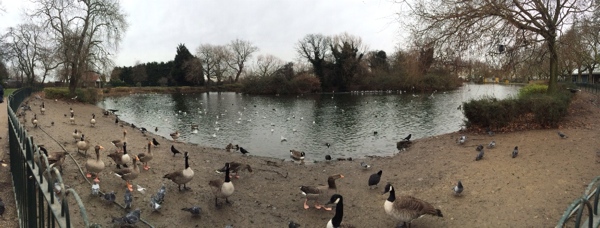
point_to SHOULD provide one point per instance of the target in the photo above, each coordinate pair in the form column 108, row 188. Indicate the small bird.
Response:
column 407, row 137
column 155, row 143
column 293, row 224
column 462, row 139
column 374, row 179
column 479, row 148
column 128, row 198
column 195, row 210
column 243, row 151
column 562, row 136
column 492, row 144
column 365, row 165
column 515, row 152
column 328, row 158
column 175, row 135
column 129, row 219
column 154, row 203
column 479, row 156
column 110, row 197
column 174, row 151
column 71, row 110
column 458, row 188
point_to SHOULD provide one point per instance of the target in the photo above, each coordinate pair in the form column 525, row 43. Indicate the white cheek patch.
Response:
column 337, row 200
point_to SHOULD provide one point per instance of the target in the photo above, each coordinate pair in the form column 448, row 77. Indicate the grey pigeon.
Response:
column 492, row 144
column 462, row 139
column 109, row 197
column 479, row 148
column 128, row 198
column 489, row 131
column 479, row 156
column 130, row 218
column 562, row 136
column 365, row 165
column 195, row 210
column 154, row 203
column 292, row 224
column 374, row 179
column 515, row 152
column 458, row 188
column 160, row 195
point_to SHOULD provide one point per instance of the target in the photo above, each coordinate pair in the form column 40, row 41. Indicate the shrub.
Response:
column 532, row 89
column 89, row 95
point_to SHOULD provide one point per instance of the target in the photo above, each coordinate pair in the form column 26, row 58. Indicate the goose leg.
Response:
column 129, row 186
column 88, row 175
column 306, row 205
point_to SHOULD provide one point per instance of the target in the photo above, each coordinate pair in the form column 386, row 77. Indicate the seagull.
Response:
column 374, row 179
column 458, row 188
column 479, row 156
column 479, row 148
column 515, row 152
column 128, row 198
column 492, row 144
column 365, row 165
column 195, row 210
column 174, row 151
column 407, row 137
column 462, row 139
column 562, row 136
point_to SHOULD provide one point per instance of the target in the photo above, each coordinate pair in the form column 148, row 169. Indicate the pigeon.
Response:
column 479, row 156
column 128, row 198
column 154, row 203
column 160, row 195
column 292, row 224
column 2, row 207
column 462, row 139
column 174, row 151
column 141, row 189
column 489, row 131
column 95, row 188
column 562, row 136
column 407, row 137
column 374, row 179
column 328, row 158
column 243, row 151
column 155, row 143
column 195, row 210
column 492, row 144
column 109, row 197
column 365, row 165
column 458, row 188
column 130, row 218
column 479, row 148
column 515, row 152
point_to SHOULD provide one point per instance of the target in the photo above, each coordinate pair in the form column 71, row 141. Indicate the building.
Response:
column 585, row 76
column 91, row 79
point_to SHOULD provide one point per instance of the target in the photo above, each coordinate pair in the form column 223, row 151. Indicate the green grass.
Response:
column 8, row 92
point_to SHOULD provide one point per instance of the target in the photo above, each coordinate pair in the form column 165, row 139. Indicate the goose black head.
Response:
column 335, row 199
column 388, row 188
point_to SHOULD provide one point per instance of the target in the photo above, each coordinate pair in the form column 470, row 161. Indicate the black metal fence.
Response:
column 41, row 201
column 588, row 202
column 593, row 88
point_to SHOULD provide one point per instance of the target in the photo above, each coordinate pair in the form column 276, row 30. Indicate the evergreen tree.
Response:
column 178, row 72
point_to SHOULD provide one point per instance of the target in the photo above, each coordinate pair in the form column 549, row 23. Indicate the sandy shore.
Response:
column 532, row 190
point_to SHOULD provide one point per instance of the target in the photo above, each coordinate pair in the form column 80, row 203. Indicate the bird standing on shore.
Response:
column 492, row 144
column 72, row 118
column 407, row 208
column 195, row 210
column 407, row 137
column 479, row 148
column 174, row 151
column 479, row 155
column 562, row 136
column 182, row 177
column 458, row 188
column 336, row 221
column 175, row 135
column 515, row 152
column 34, row 121
column 43, row 109
column 222, row 189
column 365, row 165
column 462, row 139
column 374, row 179
column 243, row 151
column 128, row 198
column 93, row 120
column 155, row 143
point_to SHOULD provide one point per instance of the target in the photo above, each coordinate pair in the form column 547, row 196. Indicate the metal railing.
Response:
column 582, row 203
column 592, row 88
column 41, row 196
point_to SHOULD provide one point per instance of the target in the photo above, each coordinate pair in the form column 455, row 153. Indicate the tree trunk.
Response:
column 552, row 83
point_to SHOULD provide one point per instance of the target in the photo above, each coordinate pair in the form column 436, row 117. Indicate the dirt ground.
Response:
column 532, row 190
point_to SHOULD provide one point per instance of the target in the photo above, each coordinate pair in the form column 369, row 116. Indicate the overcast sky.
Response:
column 156, row 27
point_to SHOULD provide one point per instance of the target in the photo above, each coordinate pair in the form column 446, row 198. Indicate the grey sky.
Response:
column 156, row 27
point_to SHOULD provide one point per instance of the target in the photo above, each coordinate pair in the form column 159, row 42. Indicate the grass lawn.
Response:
column 8, row 92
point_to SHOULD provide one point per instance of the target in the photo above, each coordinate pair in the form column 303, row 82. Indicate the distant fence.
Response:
column 582, row 204
column 38, row 204
column 594, row 88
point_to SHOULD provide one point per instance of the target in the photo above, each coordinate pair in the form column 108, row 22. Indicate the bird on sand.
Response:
column 243, row 151
column 515, row 152
column 174, row 151
column 365, row 165
column 374, row 179
column 407, row 137
column 562, row 136
column 479, row 156
column 458, row 188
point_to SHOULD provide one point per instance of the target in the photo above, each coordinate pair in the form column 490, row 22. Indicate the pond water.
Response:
column 347, row 122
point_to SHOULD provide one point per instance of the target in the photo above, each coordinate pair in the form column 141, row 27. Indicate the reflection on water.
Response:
column 355, row 124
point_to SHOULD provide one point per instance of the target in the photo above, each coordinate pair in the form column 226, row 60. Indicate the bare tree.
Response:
column 214, row 61
column 460, row 26
column 85, row 30
column 315, row 49
column 241, row 51
column 25, row 47
column 266, row 65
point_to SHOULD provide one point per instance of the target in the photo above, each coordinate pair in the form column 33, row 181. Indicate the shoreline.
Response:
column 499, row 191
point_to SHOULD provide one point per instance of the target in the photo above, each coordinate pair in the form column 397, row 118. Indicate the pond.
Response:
column 355, row 124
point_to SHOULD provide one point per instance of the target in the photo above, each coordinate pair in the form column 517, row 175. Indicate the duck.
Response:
column 129, row 174
column 229, row 147
column 77, row 135
column 175, row 135
column 336, row 221
column 297, row 155
column 93, row 120
column 222, row 189
column 118, row 143
column 83, row 144
column 95, row 166
column 318, row 193
column 72, row 118
column 146, row 157
column 236, row 167
column 121, row 159
column 407, row 208
column 182, row 177
column 43, row 109
column 34, row 121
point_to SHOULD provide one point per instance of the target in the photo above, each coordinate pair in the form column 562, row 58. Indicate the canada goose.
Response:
column 407, row 208
column 72, row 118
column 34, row 121
column 43, row 109
column 297, row 155
column 93, row 120
column 318, row 193
column 336, row 221
column 174, row 135
column 71, row 110
column 129, row 174
column 95, row 166
column 222, row 189
column 146, row 157
column 182, row 177
column 83, row 145
column 236, row 167
column 121, row 159
column 77, row 135
column 118, row 143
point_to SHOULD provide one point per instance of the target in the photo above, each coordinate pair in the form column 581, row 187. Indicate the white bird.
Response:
column 365, row 165
column 492, row 144
column 141, row 189
column 462, row 139
column 283, row 139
